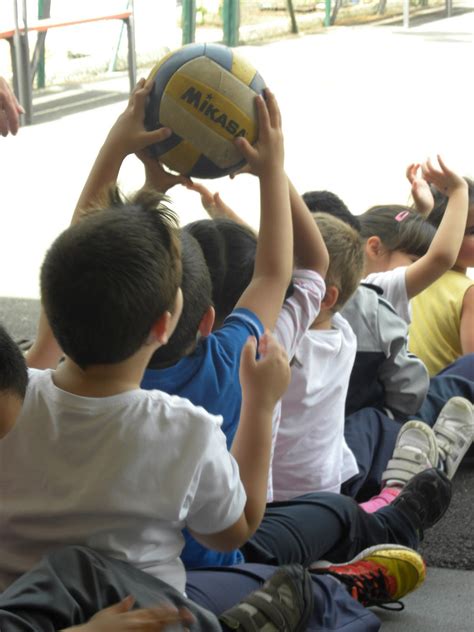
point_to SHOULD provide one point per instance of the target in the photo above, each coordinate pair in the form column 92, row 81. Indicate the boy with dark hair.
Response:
column 13, row 381
column 329, row 202
column 127, row 469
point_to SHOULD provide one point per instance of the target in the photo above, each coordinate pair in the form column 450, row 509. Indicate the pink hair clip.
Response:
column 401, row 216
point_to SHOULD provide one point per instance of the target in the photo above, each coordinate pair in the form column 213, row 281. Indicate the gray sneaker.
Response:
column 283, row 604
column 454, row 432
column 415, row 450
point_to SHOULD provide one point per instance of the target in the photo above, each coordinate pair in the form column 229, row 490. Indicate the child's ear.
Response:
column 164, row 326
column 374, row 248
column 160, row 330
column 207, row 322
column 330, row 298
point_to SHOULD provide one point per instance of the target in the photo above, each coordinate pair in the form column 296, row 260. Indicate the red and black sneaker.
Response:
column 379, row 575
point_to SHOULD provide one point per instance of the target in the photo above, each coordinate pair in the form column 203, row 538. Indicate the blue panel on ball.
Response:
column 158, row 149
column 220, row 54
column 205, row 168
column 258, row 84
column 163, row 75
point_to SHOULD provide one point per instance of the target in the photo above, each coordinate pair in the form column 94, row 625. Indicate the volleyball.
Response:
column 205, row 93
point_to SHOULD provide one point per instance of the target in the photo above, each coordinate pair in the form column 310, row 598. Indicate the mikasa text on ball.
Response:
column 206, row 94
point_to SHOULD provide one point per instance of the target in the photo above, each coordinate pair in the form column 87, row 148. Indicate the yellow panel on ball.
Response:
column 206, row 94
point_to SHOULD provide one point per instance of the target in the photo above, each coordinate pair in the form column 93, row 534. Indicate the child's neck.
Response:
column 324, row 320
column 102, row 380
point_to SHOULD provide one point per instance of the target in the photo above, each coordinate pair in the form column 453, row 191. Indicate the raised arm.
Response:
column 444, row 248
column 127, row 135
column 274, row 257
column 309, row 248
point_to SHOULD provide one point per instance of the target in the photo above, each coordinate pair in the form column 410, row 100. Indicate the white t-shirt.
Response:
column 394, row 286
column 298, row 313
column 122, row 475
column 311, row 454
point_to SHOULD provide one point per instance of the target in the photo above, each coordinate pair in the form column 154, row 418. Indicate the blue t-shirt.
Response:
column 210, row 378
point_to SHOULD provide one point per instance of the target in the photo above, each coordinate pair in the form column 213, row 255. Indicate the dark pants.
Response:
column 70, row 585
column 371, row 435
column 324, row 526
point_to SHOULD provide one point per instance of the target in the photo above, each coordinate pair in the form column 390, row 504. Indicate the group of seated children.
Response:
column 220, row 430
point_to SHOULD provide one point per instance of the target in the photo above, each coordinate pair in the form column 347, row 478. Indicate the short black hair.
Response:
column 229, row 250
column 441, row 202
column 107, row 279
column 197, row 298
column 13, row 371
column 330, row 203
column 398, row 228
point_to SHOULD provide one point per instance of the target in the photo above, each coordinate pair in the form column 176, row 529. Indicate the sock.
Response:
column 386, row 496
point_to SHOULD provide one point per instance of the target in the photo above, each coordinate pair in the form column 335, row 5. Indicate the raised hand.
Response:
column 445, row 180
column 156, row 176
column 268, row 151
column 264, row 380
column 10, row 110
column 128, row 135
column 420, row 189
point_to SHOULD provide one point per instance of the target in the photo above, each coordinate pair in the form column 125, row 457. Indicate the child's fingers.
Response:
column 263, row 115
column 273, row 109
column 199, row 188
column 245, row 148
column 443, row 166
column 156, row 136
column 249, row 352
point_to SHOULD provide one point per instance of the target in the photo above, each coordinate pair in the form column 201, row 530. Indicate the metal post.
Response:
column 294, row 23
column 406, row 14
column 231, row 22
column 22, row 64
column 132, row 58
column 449, row 8
column 188, row 21
column 327, row 13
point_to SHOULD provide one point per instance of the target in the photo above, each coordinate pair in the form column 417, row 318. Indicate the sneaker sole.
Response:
column 377, row 548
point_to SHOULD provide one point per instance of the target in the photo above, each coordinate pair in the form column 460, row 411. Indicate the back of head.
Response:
column 398, row 228
column 197, row 298
column 346, row 256
column 229, row 250
column 13, row 382
column 330, row 203
column 13, row 371
column 106, row 280
column 441, row 202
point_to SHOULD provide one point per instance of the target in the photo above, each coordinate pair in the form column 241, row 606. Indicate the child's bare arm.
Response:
column 310, row 251
column 127, row 135
column 309, row 248
column 274, row 257
column 466, row 329
column 263, row 383
column 444, row 248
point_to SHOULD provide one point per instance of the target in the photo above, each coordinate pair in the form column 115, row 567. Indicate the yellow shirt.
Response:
column 436, row 317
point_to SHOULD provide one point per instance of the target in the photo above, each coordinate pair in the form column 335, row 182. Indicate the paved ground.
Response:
column 358, row 105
